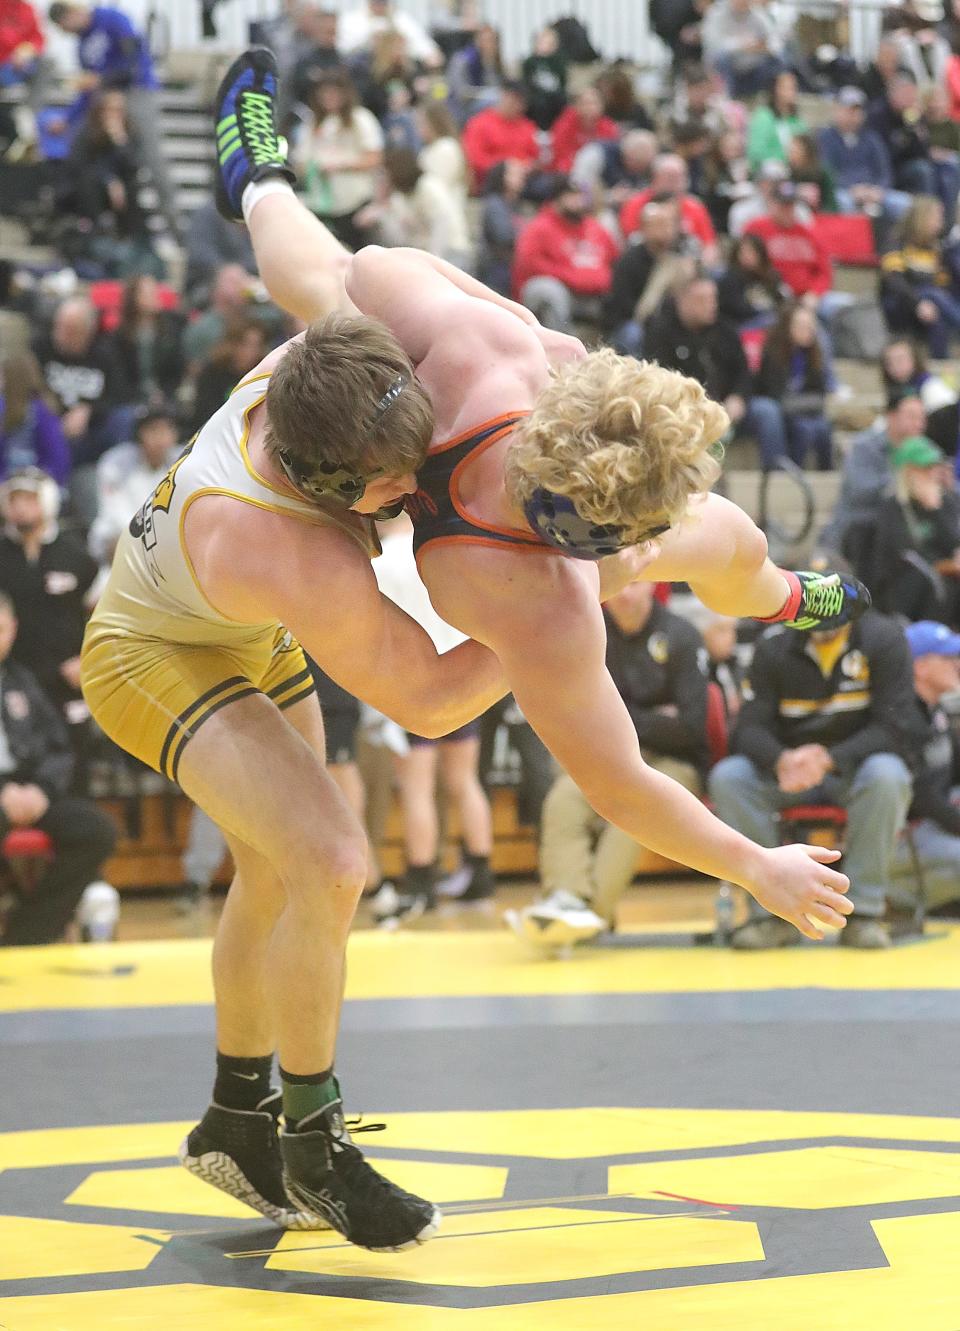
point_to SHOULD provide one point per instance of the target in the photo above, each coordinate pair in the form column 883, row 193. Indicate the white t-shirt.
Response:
column 444, row 159
column 349, row 190
column 428, row 219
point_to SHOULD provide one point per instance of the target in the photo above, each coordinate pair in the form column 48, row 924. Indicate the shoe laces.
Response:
column 824, row 597
column 255, row 113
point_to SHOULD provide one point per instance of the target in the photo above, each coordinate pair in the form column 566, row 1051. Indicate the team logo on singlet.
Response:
column 141, row 524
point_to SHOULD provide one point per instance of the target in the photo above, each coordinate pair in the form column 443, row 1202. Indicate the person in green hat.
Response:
column 915, row 565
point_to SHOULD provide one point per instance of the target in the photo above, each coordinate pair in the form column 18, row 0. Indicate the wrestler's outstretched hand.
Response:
column 619, row 570
column 796, row 882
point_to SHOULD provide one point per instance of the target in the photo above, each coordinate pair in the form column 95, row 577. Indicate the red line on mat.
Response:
column 697, row 1201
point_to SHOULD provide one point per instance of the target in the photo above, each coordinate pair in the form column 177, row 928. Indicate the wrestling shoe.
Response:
column 238, row 1151
column 326, row 1175
column 248, row 145
column 828, row 601
column 558, row 920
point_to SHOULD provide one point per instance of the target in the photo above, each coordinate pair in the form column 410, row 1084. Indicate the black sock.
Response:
column 475, row 862
column 304, row 1095
column 242, row 1082
column 419, row 880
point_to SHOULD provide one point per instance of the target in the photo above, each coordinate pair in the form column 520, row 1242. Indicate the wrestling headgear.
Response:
column 328, row 481
column 555, row 519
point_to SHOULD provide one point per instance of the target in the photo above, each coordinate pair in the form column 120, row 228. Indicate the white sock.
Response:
column 259, row 189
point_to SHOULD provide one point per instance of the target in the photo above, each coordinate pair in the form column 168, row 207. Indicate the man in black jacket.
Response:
column 657, row 661
column 639, row 272
column 35, row 771
column 825, row 720
column 688, row 335
column 936, row 817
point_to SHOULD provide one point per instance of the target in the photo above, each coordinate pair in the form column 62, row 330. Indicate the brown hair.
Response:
column 341, row 80
column 22, row 384
column 402, row 169
column 323, row 398
column 779, row 343
column 438, row 117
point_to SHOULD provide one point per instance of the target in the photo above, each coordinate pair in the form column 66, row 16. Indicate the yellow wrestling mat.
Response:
column 629, row 1140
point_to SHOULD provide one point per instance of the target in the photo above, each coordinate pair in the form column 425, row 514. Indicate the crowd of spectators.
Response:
column 695, row 223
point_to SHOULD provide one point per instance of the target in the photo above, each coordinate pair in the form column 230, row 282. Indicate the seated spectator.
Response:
column 775, row 122
column 915, row 563
column 688, row 335
column 726, row 178
column 921, row 49
column 581, row 123
column 80, row 371
column 617, row 86
column 48, row 574
column 760, row 200
column 213, row 243
column 823, row 721
column 148, row 343
column 318, row 33
column 501, row 221
column 952, row 77
column 104, row 166
column 234, row 294
column 34, row 784
column 476, row 73
column 935, row 811
column 128, row 473
column 944, row 132
column 899, row 120
column 904, row 367
column 700, row 95
column 441, row 155
column 741, row 42
column 814, row 181
column 882, row 70
column 337, row 156
column 563, row 265
column 500, row 133
column 670, row 176
column 114, row 56
column 30, row 432
column 859, row 161
column 750, row 290
column 868, row 476
column 915, row 280
column 719, row 633
column 795, row 374
column 644, row 274
column 617, row 167
column 586, row 864
column 358, row 28
column 22, row 64
column 241, row 350
column 388, row 85
column 797, row 253
column 420, row 211
column 692, row 142
column 679, row 25
column 544, row 77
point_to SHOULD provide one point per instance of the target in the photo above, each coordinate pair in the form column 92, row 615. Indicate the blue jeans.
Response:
column 938, row 333
column 924, row 176
column 763, row 419
column 806, row 433
column 876, row 798
column 748, row 82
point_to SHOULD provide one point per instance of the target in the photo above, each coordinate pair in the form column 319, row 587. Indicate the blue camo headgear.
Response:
column 554, row 518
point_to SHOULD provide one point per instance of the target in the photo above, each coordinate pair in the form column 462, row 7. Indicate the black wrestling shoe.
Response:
column 326, row 1175
column 249, row 147
column 238, row 1151
column 829, row 601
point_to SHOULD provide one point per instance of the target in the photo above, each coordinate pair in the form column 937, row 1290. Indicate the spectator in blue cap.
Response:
column 935, row 811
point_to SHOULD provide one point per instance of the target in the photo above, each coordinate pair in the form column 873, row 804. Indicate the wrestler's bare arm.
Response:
column 321, row 586
column 566, row 693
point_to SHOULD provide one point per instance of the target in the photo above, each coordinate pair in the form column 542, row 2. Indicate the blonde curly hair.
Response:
column 627, row 441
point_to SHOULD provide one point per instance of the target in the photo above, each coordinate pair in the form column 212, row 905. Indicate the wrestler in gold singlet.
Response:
column 158, row 660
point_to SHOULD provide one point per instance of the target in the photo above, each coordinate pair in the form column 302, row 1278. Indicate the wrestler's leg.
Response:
column 722, row 554
column 302, row 264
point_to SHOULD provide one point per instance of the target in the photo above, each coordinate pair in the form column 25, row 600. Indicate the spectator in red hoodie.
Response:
column 21, row 62
column 671, row 176
column 797, row 254
column 580, row 124
column 501, row 133
column 564, row 259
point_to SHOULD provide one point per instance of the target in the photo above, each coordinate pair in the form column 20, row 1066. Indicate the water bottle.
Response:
column 98, row 913
column 725, row 909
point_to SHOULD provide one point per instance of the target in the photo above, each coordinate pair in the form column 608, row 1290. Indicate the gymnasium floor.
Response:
column 671, row 1139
